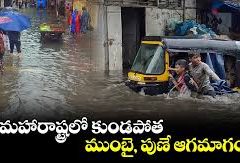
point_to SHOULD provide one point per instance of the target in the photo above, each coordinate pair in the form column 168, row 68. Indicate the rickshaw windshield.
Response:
column 149, row 60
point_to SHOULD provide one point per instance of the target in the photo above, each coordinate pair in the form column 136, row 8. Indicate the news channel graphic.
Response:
column 84, row 139
column 119, row 80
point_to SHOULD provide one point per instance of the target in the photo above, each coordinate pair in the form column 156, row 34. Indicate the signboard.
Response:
column 78, row 4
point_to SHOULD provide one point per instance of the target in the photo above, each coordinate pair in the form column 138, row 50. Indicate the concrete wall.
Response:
column 157, row 19
column 190, row 12
column 98, row 35
column 106, row 38
column 114, row 37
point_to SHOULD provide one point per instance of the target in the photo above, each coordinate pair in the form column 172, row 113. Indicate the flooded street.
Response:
column 61, row 80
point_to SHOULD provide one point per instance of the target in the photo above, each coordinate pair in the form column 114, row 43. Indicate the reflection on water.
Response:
column 60, row 80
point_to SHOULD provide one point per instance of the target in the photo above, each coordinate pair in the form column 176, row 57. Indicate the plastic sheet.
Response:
column 221, row 87
column 216, row 63
column 190, row 26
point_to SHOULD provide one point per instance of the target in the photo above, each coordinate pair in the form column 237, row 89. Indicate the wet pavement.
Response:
column 60, row 79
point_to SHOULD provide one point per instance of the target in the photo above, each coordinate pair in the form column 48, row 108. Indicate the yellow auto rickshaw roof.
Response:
column 153, row 43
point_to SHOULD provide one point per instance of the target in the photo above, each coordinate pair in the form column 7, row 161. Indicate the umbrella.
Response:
column 12, row 20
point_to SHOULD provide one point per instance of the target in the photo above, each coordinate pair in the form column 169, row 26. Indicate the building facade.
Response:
column 119, row 26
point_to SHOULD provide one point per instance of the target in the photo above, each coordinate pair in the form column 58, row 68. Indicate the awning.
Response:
column 203, row 45
column 226, row 6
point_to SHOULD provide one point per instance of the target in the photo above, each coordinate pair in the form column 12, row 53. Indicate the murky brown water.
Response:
column 60, row 80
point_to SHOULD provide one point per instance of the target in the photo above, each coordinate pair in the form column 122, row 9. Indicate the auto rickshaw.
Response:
column 51, row 30
column 150, row 69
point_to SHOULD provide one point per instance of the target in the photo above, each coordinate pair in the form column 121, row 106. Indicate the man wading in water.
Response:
column 202, row 74
column 14, row 40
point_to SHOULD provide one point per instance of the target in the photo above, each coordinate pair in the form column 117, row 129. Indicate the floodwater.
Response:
column 60, row 80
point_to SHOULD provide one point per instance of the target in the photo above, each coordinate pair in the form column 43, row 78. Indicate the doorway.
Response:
column 133, row 31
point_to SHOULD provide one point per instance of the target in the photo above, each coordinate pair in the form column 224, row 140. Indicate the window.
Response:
column 149, row 60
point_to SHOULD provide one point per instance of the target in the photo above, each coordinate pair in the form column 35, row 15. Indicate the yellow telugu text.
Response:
column 127, row 149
